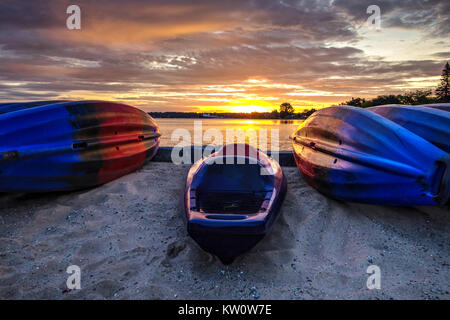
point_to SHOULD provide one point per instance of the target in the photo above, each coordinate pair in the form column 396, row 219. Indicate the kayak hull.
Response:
column 432, row 124
column 441, row 106
column 73, row 145
column 356, row 155
column 231, row 206
column 17, row 106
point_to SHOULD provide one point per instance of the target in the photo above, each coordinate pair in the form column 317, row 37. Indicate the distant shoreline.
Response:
column 229, row 115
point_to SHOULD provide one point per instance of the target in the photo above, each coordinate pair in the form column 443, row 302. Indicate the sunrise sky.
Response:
column 220, row 55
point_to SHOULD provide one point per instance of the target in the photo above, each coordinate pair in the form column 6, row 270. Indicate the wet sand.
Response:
column 130, row 241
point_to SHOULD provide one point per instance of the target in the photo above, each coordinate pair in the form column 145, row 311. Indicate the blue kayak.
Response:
column 429, row 123
column 232, row 200
column 441, row 106
column 72, row 145
column 357, row 155
column 16, row 106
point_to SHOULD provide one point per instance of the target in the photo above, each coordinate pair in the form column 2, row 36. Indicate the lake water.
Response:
column 217, row 131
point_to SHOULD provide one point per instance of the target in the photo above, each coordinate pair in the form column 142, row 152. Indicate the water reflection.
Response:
column 283, row 128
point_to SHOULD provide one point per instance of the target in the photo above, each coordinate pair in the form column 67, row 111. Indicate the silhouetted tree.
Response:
column 386, row 99
column 356, row 102
column 286, row 110
column 412, row 98
column 417, row 97
column 443, row 90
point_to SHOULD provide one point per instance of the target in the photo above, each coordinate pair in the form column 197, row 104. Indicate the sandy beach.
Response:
column 129, row 239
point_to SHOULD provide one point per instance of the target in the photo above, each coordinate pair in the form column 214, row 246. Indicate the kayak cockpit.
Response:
column 231, row 189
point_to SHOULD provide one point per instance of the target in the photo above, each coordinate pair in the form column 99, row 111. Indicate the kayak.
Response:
column 431, row 124
column 354, row 154
column 232, row 200
column 16, row 106
column 441, row 106
column 72, row 145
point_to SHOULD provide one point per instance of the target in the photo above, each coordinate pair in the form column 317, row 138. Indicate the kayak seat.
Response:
column 232, row 189
column 226, row 202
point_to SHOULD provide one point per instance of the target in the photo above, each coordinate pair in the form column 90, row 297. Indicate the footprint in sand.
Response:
column 174, row 249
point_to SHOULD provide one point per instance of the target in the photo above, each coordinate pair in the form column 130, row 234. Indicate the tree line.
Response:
column 418, row 97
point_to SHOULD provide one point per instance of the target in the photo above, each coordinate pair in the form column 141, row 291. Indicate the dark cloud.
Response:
column 431, row 16
column 445, row 55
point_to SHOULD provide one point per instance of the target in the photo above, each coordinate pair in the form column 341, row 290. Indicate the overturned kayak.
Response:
column 232, row 199
column 72, row 145
column 441, row 106
column 17, row 106
column 357, row 155
column 431, row 124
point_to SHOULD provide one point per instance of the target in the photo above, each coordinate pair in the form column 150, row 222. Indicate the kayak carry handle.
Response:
column 79, row 146
column 443, row 195
column 9, row 155
column 226, row 216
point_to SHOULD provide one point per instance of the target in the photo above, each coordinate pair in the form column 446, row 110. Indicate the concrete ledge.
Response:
column 164, row 154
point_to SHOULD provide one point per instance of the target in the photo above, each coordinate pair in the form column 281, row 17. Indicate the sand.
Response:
column 130, row 241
